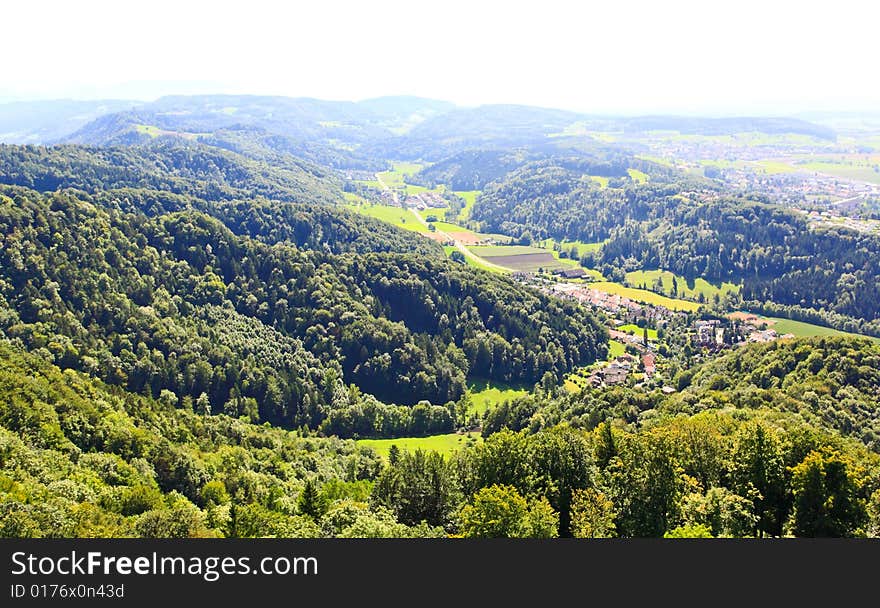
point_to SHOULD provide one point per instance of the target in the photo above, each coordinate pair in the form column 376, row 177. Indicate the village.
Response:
column 653, row 335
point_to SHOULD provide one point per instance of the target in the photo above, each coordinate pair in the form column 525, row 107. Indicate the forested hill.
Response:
column 173, row 166
column 295, row 202
column 474, row 169
column 82, row 459
column 180, row 303
column 830, row 382
column 683, row 227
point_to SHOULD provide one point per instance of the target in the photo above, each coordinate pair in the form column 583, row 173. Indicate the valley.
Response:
column 245, row 316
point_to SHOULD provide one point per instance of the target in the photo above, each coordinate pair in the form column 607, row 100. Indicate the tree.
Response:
column 758, row 473
column 419, row 487
column 310, row 502
column 721, row 511
column 592, row 515
column 605, row 449
column 502, row 512
column 689, row 531
column 826, row 496
column 563, row 463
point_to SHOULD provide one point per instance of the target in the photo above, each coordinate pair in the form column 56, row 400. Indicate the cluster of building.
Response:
column 424, row 200
column 755, row 329
column 618, row 370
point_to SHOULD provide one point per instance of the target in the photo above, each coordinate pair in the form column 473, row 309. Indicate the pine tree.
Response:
column 310, row 503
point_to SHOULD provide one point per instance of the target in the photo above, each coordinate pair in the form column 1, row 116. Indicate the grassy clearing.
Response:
column 638, row 331
column 801, row 330
column 470, row 198
column 488, row 251
column 370, row 183
column 438, row 212
column 688, row 289
column 857, row 167
column 602, row 181
column 486, row 394
column 615, row 349
column 524, row 261
column 447, row 227
column 774, row 166
column 637, row 176
column 445, row 444
column 407, row 168
column 644, row 296
column 392, row 215
column 148, row 130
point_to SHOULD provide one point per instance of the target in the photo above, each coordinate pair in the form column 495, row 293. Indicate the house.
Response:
column 613, row 374
column 649, row 364
column 570, row 273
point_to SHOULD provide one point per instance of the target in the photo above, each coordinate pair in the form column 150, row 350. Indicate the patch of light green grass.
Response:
column 486, row 394
column 635, row 330
column 392, row 215
column 637, row 176
column 691, row 290
column 645, row 296
column 445, row 444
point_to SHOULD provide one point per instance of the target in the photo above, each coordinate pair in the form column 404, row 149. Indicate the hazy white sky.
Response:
column 611, row 56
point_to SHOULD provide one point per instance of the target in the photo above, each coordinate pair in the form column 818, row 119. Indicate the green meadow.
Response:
column 393, row 215
column 691, row 290
column 486, row 394
column 645, row 296
column 638, row 331
column 445, row 444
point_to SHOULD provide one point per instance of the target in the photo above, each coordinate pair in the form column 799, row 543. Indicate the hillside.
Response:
column 81, row 459
column 119, row 294
column 687, row 226
column 829, row 382
column 41, row 122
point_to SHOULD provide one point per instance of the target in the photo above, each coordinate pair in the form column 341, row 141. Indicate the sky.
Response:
column 618, row 57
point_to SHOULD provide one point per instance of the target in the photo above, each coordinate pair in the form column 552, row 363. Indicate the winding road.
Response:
column 456, row 243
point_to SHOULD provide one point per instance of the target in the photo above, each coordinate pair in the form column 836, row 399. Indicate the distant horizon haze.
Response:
column 679, row 57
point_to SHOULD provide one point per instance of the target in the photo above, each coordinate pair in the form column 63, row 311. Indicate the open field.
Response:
column 455, row 229
column 644, row 296
column 445, row 444
column 688, row 289
column 774, row 166
column 486, row 394
column 801, row 329
column 602, row 181
column 393, row 215
column 470, row 197
column 525, row 262
column 638, row 331
column 475, row 261
column 637, row 176
column 615, row 349
column 576, row 380
column 489, row 251
column 851, row 166
column 148, row 130
column 582, row 247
